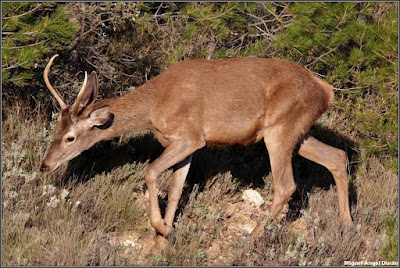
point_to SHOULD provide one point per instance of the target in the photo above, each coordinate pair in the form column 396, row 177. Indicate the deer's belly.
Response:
column 233, row 133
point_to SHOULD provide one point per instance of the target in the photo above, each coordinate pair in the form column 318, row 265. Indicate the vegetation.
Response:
column 354, row 47
column 26, row 37
column 94, row 211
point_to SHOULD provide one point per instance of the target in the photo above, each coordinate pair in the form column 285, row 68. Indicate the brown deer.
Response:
column 199, row 103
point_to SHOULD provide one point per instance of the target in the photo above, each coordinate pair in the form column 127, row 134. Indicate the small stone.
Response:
column 252, row 197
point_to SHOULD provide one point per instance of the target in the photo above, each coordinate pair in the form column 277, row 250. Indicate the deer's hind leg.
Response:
column 334, row 160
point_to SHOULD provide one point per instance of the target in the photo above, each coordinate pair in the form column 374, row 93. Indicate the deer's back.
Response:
column 231, row 101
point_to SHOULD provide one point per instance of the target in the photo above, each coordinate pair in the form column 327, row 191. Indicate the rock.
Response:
column 230, row 210
column 241, row 221
column 249, row 226
column 252, row 197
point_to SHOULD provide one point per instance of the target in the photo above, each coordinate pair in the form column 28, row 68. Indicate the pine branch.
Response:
column 13, row 66
column 12, row 33
column 23, row 14
column 31, row 45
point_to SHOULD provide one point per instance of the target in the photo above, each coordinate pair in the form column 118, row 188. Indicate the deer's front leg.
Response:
column 175, row 153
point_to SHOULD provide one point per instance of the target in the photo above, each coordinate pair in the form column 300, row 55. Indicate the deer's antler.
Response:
column 50, row 87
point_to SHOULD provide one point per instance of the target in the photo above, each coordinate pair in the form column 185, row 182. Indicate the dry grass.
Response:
column 106, row 202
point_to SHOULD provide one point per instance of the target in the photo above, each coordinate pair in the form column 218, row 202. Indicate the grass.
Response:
column 106, row 199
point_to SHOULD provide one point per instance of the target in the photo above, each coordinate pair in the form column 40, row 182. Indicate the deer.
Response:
column 208, row 103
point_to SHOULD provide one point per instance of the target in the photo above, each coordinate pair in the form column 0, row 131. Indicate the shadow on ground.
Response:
column 250, row 165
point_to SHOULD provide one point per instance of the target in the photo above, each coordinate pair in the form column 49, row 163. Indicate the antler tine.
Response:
column 78, row 98
column 50, row 87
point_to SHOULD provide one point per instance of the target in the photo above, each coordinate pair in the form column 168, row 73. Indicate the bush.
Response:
column 354, row 47
column 31, row 30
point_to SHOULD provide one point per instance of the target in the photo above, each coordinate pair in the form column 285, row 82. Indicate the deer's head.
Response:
column 74, row 133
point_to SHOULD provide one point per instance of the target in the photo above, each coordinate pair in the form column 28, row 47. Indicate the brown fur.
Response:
column 215, row 103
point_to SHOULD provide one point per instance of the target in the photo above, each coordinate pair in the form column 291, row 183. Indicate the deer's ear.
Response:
column 99, row 116
column 88, row 94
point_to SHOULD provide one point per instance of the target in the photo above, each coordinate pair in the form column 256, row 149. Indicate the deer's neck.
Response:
column 130, row 112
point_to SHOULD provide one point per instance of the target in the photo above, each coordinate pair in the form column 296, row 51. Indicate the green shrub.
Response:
column 29, row 32
column 354, row 47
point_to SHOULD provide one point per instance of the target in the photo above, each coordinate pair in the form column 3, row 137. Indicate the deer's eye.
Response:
column 70, row 139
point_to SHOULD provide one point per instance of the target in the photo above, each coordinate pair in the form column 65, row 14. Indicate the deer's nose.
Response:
column 44, row 167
